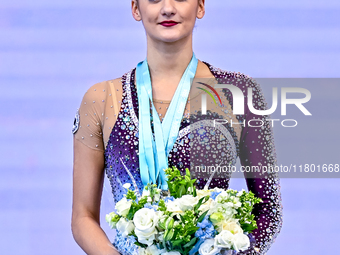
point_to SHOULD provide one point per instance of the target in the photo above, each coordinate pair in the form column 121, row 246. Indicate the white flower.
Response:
column 162, row 252
column 203, row 193
column 240, row 242
column 208, row 248
column 146, row 193
column 109, row 219
column 232, row 225
column 145, row 221
column 240, row 193
column 187, row 202
column 125, row 227
column 222, row 196
column 228, row 210
column 218, row 189
column 207, row 205
column 158, row 195
column 172, row 206
column 150, row 250
column 235, row 202
column 123, row 206
column 224, row 239
column 171, row 253
column 160, row 236
column 127, row 185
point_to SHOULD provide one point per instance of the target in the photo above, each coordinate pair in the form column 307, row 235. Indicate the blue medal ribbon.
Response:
column 154, row 150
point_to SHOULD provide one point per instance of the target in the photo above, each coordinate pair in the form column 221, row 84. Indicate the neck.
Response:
column 168, row 60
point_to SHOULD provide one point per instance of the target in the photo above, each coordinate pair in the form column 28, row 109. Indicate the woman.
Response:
column 111, row 132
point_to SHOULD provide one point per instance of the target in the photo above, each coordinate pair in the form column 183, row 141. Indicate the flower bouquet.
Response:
column 186, row 220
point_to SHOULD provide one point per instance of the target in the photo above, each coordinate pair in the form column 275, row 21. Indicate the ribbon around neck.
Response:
column 154, row 149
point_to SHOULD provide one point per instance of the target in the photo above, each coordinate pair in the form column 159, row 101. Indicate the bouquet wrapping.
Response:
column 186, row 220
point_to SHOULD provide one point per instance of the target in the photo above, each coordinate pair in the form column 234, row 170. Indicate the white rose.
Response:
column 203, row 193
column 207, row 205
column 163, row 251
column 187, row 202
column 150, row 250
column 123, row 207
column 172, row 206
column 125, row 227
column 240, row 242
column 214, row 207
column 127, row 185
column 145, row 221
column 232, row 225
column 208, row 248
column 160, row 215
column 224, row 239
column 171, row 253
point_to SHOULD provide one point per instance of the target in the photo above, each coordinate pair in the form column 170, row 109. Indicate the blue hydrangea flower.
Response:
column 150, row 206
column 132, row 239
column 214, row 194
column 206, row 229
column 167, row 199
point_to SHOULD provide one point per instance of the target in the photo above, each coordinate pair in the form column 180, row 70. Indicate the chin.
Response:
column 171, row 38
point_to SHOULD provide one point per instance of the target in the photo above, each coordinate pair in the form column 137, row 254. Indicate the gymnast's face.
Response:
column 168, row 20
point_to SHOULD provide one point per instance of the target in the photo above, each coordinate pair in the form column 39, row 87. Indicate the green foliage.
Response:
column 200, row 202
column 181, row 237
column 180, row 185
column 152, row 188
column 161, row 205
column 116, row 218
column 135, row 206
column 201, row 218
column 244, row 213
column 131, row 195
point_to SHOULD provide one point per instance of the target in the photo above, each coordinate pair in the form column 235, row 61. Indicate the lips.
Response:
column 169, row 23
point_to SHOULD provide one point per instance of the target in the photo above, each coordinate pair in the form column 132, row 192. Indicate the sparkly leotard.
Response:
column 253, row 146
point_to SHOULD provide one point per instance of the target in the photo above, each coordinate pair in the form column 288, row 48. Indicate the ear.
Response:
column 135, row 10
column 201, row 9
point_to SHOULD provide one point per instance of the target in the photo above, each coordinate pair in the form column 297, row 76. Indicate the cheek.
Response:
column 190, row 17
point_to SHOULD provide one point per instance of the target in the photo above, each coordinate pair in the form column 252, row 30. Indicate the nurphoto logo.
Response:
column 239, row 103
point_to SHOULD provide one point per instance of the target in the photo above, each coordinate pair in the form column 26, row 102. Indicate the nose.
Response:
column 168, row 8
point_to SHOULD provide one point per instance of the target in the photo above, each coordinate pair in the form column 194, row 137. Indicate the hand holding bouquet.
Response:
column 186, row 221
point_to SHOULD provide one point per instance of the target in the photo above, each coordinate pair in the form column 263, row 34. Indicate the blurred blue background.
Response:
column 51, row 52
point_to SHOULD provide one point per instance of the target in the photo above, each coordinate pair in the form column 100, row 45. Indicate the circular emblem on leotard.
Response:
column 76, row 123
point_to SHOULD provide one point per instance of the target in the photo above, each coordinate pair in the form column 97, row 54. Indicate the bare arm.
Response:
column 88, row 177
